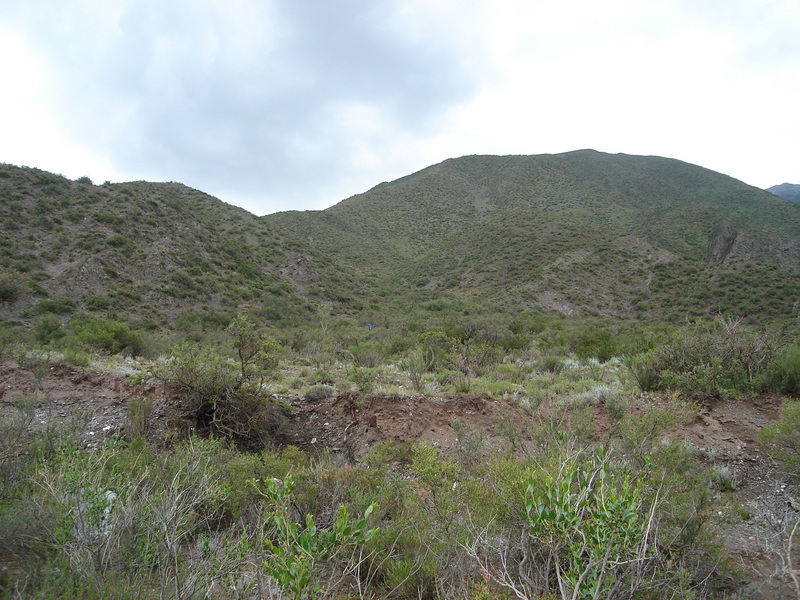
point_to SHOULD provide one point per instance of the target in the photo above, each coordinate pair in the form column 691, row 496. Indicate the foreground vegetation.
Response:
column 228, row 511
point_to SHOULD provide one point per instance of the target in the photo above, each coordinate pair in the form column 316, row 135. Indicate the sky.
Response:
column 277, row 105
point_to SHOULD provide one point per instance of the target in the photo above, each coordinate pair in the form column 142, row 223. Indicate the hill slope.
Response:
column 787, row 191
column 152, row 253
column 581, row 232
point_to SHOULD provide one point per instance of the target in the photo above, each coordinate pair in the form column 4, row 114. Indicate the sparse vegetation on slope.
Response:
column 581, row 233
column 160, row 256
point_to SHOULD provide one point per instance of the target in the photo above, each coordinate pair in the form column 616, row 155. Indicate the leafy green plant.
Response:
column 47, row 329
column 296, row 549
column 591, row 524
column 319, row 392
column 216, row 400
column 723, row 358
column 58, row 306
column 368, row 354
column 550, row 364
column 363, row 377
column 784, row 372
column 257, row 353
column 11, row 287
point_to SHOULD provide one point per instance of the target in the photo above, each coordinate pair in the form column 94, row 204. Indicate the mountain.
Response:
column 157, row 254
column 580, row 233
column 787, row 191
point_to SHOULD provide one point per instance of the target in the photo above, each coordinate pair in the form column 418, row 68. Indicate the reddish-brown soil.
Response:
column 725, row 433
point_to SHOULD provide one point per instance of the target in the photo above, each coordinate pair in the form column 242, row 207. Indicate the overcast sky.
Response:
column 298, row 104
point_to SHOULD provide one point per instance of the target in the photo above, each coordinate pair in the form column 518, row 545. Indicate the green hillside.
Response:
column 787, row 191
column 580, row 233
column 159, row 255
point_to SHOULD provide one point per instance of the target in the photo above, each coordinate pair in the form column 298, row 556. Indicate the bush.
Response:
column 107, row 335
column 318, row 392
column 590, row 524
column 596, row 343
column 48, row 329
column 784, row 372
column 416, row 364
column 783, row 438
column 550, row 364
column 59, row 306
column 10, row 286
column 719, row 359
column 321, row 376
column 364, row 377
column 368, row 354
column 217, row 400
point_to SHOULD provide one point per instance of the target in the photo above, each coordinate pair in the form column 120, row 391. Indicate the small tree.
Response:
column 257, row 353
column 224, row 400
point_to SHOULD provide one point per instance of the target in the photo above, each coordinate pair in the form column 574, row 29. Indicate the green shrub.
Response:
column 318, row 392
column 297, row 549
column 784, row 372
column 97, row 302
column 722, row 358
column 590, row 523
column 550, row 364
column 120, row 241
column 107, row 335
column 495, row 388
column 11, row 287
column 321, row 376
column 368, row 354
column 258, row 353
column 76, row 357
column 783, row 438
column 462, row 384
column 48, row 329
column 216, row 399
column 365, row 378
column 59, row 306
column 594, row 342
column 415, row 365
column 644, row 368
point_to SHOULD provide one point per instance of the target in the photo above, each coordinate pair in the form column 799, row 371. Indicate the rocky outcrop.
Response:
column 730, row 243
column 722, row 242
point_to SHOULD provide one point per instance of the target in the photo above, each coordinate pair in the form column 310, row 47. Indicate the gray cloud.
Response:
column 278, row 104
column 255, row 100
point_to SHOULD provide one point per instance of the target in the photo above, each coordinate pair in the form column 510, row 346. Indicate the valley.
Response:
column 567, row 375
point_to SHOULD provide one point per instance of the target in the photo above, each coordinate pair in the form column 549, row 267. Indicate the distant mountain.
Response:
column 580, row 233
column 787, row 191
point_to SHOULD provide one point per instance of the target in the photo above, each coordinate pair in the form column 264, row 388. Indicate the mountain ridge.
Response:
column 475, row 224
column 582, row 233
column 787, row 191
